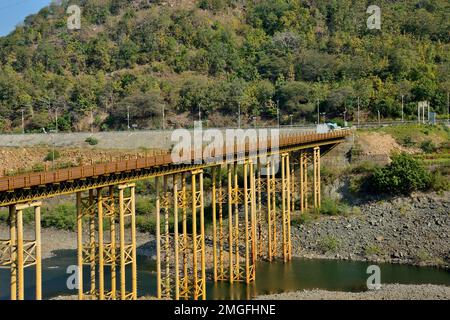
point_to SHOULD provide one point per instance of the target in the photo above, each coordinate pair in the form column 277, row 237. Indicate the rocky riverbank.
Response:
column 387, row 292
column 413, row 230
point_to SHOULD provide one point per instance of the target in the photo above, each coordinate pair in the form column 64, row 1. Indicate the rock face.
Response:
column 413, row 230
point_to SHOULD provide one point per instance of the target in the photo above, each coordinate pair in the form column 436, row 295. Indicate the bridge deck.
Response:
column 29, row 180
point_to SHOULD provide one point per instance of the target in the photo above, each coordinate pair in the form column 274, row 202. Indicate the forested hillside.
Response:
column 217, row 55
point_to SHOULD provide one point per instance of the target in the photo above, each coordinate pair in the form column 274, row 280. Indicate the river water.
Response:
column 275, row 277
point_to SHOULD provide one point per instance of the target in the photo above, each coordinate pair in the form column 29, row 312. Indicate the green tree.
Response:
column 402, row 176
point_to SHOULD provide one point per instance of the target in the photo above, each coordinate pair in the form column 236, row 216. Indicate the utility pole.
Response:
column 318, row 111
column 23, row 122
column 56, row 120
column 358, row 111
column 448, row 107
column 379, row 118
column 128, row 117
column 419, row 108
column 199, row 112
column 92, row 121
column 403, row 120
column 163, row 115
column 278, row 112
column 239, row 115
column 291, row 115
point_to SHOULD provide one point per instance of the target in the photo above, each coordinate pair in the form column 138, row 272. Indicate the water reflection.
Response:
column 271, row 278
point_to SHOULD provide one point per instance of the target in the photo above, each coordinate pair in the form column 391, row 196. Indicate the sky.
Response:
column 13, row 12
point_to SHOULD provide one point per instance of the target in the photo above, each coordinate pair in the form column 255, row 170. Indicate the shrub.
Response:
column 402, row 176
column 373, row 250
column 333, row 207
column 52, row 155
column 38, row 167
column 328, row 175
column 408, row 142
column 91, row 141
column 61, row 217
column 65, row 165
column 356, row 184
column 439, row 182
column 4, row 215
column 303, row 218
column 329, row 244
column 146, row 223
column 144, row 206
column 428, row 146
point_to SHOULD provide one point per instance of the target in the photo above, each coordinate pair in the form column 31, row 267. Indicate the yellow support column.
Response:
column 101, row 266
column 230, row 222
column 165, row 205
column 213, row 205
column 122, row 244
column 112, row 235
column 194, row 234
column 286, row 206
column 198, row 239
column 269, row 212
column 38, row 257
column 237, row 270
column 13, row 250
column 220, row 201
column 303, row 181
column 246, row 224
column 283, row 203
column 292, row 186
column 80, row 245
column 184, row 243
column 158, row 241
column 259, row 221
column 19, row 226
column 27, row 252
column 202, row 240
column 176, row 244
column 92, row 244
column 288, row 217
column 317, row 191
column 253, row 222
column 127, row 209
column 133, row 241
column 274, row 212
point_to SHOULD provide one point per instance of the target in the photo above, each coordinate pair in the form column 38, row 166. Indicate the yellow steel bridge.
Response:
column 250, row 216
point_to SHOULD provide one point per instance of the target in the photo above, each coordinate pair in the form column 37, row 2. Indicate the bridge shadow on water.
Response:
column 275, row 277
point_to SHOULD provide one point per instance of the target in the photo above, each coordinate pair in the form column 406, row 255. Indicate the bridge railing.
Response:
column 57, row 176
